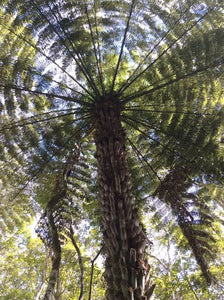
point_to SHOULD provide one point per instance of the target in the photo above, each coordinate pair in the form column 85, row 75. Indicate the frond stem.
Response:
column 194, row 72
column 122, row 44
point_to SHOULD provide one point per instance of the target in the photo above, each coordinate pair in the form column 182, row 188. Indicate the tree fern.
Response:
column 140, row 81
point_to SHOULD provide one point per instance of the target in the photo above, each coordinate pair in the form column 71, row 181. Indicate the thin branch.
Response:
column 190, row 286
column 43, row 279
column 165, row 267
column 80, row 263
column 92, row 270
column 122, row 45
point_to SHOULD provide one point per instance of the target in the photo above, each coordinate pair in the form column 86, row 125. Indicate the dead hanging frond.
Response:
column 92, row 270
column 190, row 214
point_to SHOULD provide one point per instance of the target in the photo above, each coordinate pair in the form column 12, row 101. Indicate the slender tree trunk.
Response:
column 56, row 257
column 127, row 270
column 59, row 292
column 42, row 285
column 80, row 263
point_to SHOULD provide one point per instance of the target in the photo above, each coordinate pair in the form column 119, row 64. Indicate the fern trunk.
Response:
column 126, row 269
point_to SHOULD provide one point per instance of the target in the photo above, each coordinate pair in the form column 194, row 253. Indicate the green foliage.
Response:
column 22, row 265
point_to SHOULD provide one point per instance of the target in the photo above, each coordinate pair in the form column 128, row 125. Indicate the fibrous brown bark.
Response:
column 127, row 270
